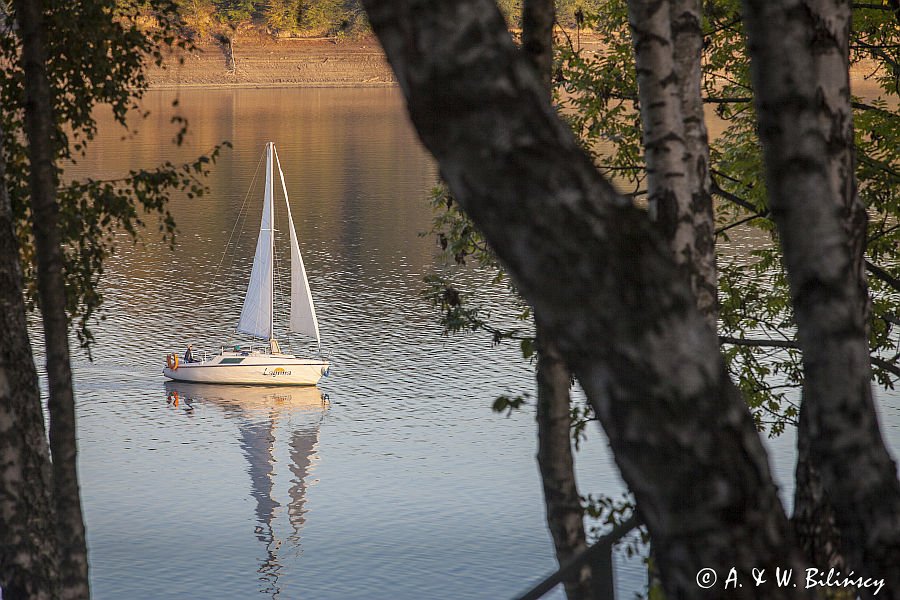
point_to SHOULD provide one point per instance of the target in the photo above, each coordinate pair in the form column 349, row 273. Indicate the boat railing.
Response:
column 598, row 557
column 236, row 348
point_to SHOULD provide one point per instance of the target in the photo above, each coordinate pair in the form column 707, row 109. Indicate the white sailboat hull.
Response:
column 257, row 369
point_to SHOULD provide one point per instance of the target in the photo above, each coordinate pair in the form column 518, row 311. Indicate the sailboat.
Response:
column 263, row 364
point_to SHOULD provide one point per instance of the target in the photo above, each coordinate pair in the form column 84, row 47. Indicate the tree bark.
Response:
column 687, row 38
column 565, row 515
column 28, row 559
column 802, row 99
column 814, row 515
column 538, row 17
column 607, row 290
column 42, row 145
column 667, row 41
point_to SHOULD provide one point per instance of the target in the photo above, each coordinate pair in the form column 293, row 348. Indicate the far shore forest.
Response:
column 307, row 18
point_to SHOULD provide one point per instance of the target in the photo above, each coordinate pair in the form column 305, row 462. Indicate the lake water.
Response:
column 406, row 484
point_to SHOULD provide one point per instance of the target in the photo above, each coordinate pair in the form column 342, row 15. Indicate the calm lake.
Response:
column 405, row 485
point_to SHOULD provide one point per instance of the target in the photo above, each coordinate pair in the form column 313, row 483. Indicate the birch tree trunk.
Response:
column 814, row 515
column 28, row 558
column 565, row 515
column 802, row 92
column 41, row 135
column 687, row 38
column 607, row 288
column 667, row 41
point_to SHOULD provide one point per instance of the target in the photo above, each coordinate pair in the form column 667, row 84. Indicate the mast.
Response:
column 270, row 150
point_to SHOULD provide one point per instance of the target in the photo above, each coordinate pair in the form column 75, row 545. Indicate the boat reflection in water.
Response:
column 293, row 413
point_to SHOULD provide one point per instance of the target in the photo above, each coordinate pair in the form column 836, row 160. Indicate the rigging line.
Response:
column 242, row 217
column 230, row 237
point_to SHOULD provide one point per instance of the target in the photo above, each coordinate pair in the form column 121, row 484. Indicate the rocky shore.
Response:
column 261, row 61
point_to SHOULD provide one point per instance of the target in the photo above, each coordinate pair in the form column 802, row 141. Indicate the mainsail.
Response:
column 256, row 315
column 303, row 312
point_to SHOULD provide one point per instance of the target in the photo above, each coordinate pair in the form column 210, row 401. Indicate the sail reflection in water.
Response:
column 259, row 413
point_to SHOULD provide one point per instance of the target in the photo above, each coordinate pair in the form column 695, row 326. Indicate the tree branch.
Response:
column 738, row 100
column 883, row 275
column 758, row 343
column 890, row 367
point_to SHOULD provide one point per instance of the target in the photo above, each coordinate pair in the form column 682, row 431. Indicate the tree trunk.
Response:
column 687, row 37
column 28, row 558
column 802, row 92
column 667, row 43
column 538, row 17
column 814, row 515
column 565, row 515
column 230, row 62
column 606, row 288
column 42, row 144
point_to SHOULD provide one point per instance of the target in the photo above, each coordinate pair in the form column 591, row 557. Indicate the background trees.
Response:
column 331, row 17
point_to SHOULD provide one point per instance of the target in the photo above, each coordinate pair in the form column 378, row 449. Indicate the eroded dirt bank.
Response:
column 260, row 61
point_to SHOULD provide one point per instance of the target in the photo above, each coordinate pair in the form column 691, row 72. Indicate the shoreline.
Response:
column 264, row 62
column 163, row 87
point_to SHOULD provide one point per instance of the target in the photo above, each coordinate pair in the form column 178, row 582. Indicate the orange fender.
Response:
column 172, row 361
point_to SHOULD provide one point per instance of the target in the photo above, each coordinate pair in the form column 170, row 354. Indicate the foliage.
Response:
column 234, row 12
column 509, row 404
column 598, row 96
column 566, row 11
column 462, row 245
column 331, row 16
column 607, row 513
column 512, row 12
column 82, row 76
column 199, row 16
column 282, row 15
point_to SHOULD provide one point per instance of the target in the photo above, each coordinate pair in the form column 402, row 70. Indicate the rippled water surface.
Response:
column 404, row 485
